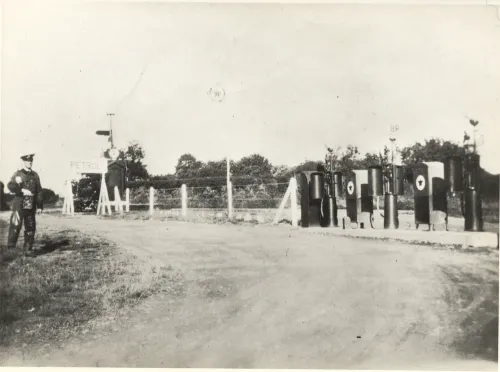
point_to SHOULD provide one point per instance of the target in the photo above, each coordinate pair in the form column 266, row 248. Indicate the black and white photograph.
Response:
column 250, row 185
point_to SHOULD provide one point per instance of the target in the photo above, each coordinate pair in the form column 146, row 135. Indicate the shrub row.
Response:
column 206, row 182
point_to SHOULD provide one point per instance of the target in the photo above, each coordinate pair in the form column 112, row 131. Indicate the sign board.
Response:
column 350, row 187
column 420, row 182
column 93, row 166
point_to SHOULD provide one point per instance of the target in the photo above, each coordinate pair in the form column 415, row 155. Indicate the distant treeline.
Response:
column 257, row 170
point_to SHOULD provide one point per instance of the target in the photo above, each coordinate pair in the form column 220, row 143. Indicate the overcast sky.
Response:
column 296, row 77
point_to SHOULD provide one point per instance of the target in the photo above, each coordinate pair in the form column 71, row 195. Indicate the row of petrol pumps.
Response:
column 433, row 183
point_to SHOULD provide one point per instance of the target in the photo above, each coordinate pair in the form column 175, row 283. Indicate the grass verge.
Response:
column 74, row 280
column 473, row 298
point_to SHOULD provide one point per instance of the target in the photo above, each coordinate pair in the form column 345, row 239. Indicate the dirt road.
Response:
column 264, row 297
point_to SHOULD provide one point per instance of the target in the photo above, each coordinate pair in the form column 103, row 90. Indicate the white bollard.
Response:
column 118, row 202
column 293, row 201
column 184, row 200
column 127, row 200
column 151, row 200
column 230, row 200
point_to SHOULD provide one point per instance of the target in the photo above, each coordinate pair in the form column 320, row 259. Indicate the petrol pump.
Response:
column 333, row 190
column 389, row 184
column 319, row 192
column 462, row 176
column 472, row 209
column 359, row 202
column 430, row 194
column 312, row 191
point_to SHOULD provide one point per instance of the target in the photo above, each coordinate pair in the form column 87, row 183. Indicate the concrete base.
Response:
column 455, row 238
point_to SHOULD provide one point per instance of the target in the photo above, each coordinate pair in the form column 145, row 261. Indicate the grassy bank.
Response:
column 73, row 282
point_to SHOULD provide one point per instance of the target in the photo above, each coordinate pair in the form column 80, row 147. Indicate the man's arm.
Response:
column 39, row 195
column 15, row 187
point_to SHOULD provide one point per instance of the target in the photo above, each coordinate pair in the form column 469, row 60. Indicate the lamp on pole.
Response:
column 474, row 124
column 392, row 149
column 217, row 94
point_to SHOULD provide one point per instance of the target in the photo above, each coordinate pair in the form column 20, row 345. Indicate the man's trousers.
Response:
column 16, row 222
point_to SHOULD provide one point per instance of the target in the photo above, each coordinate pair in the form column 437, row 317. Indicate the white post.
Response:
column 184, row 200
column 66, row 200
column 118, row 201
column 69, row 204
column 72, row 201
column 127, row 200
column 283, row 203
column 229, row 191
column 103, row 197
column 293, row 201
column 230, row 200
column 151, row 200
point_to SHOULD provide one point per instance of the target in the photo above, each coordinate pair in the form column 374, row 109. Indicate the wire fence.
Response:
column 250, row 196
column 244, row 196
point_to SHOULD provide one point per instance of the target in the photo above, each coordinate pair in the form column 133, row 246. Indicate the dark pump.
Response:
column 429, row 187
column 359, row 202
column 463, row 178
column 319, row 191
column 454, row 174
column 432, row 183
column 311, row 199
column 375, row 181
column 394, row 188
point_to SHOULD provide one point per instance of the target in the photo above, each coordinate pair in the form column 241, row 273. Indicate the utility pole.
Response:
column 111, row 128
column 229, row 190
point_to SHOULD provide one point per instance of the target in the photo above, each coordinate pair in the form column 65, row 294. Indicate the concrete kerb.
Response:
column 407, row 235
column 444, row 238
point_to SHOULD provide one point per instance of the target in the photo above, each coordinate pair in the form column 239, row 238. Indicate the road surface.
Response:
column 277, row 297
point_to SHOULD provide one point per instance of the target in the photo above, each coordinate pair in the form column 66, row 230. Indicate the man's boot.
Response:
column 29, row 239
column 12, row 239
column 29, row 234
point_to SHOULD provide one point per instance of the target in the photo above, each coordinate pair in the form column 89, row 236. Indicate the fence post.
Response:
column 230, row 200
column 184, row 200
column 229, row 186
column 151, row 200
column 118, row 201
column 293, row 201
column 127, row 200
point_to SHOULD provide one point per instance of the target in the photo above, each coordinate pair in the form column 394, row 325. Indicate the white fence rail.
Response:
column 290, row 194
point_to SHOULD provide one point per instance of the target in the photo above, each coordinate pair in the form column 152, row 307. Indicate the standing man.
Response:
column 27, row 189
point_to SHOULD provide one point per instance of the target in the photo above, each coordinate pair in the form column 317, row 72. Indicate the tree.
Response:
column 282, row 170
column 348, row 160
column 49, row 196
column 134, row 155
column 307, row 166
column 214, row 173
column 371, row 159
column 255, row 166
column 88, row 186
column 433, row 149
column 188, row 166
